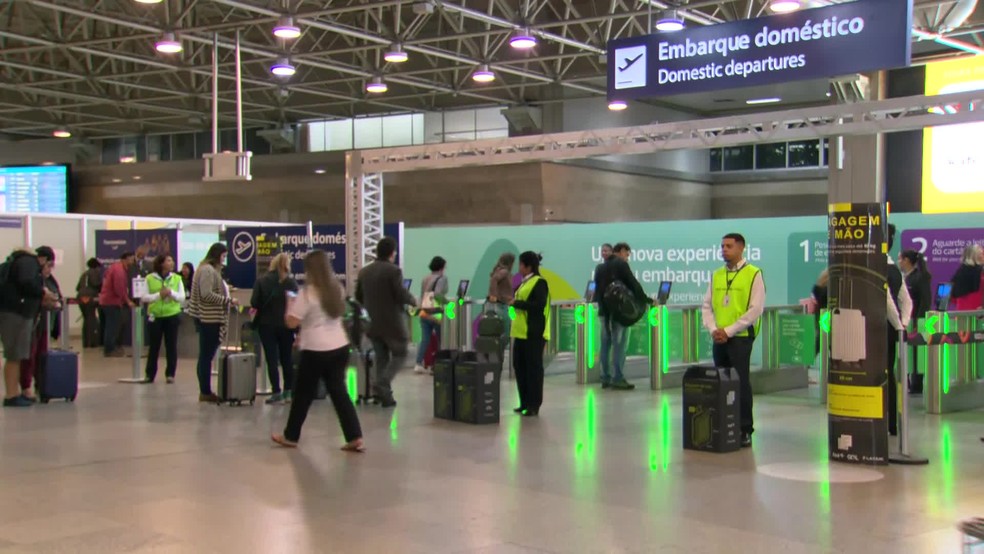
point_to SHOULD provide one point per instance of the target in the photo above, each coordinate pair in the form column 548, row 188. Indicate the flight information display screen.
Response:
column 37, row 189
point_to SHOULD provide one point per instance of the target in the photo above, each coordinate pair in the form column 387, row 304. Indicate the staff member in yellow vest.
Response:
column 165, row 295
column 732, row 308
column 530, row 331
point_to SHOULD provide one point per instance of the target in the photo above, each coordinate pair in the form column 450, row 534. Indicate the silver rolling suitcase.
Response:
column 237, row 370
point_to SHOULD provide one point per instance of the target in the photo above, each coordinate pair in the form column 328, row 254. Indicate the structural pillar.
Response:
column 857, row 227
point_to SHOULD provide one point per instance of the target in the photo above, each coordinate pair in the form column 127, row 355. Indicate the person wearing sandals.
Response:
column 165, row 295
column 270, row 302
column 318, row 310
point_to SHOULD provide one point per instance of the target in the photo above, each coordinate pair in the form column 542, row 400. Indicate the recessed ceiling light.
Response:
column 283, row 68
column 785, row 6
column 117, row 180
column 149, row 1
column 137, row 177
column 522, row 40
column 376, row 85
column 286, row 29
column 396, row 54
column 61, row 132
column 169, row 44
column 617, row 105
column 763, row 101
column 320, row 171
column 669, row 20
column 483, row 74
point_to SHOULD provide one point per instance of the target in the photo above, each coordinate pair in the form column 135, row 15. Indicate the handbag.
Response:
column 428, row 302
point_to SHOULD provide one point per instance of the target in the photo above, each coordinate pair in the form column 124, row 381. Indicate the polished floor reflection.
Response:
column 132, row 468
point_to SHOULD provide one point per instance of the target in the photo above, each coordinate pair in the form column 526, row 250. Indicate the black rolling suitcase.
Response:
column 711, row 409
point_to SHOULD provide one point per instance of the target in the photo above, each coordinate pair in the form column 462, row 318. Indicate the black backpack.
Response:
column 622, row 304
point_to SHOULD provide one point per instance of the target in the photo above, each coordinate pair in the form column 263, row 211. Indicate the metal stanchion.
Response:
column 136, row 330
column 824, row 355
column 903, row 456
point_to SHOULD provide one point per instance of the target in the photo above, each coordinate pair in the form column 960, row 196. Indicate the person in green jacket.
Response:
column 165, row 296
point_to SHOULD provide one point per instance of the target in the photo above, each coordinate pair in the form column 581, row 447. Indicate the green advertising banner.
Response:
column 797, row 336
column 791, row 251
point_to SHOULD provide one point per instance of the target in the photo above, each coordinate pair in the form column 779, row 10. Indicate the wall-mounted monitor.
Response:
column 34, row 189
column 463, row 287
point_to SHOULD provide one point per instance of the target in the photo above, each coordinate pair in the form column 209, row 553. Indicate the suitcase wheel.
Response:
column 45, row 399
column 251, row 402
column 72, row 398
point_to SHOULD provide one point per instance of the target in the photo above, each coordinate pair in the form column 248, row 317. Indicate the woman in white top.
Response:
column 324, row 346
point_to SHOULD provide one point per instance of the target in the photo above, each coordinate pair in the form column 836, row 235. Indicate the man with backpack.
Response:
column 22, row 291
column 621, row 302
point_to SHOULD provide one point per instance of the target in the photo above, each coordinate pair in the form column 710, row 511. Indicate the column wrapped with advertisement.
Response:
column 858, row 427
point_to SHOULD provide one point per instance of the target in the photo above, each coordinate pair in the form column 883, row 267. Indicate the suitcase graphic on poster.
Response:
column 847, row 330
column 237, row 372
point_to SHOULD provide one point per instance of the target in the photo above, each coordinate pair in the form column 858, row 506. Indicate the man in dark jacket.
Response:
column 21, row 294
column 614, row 336
column 380, row 290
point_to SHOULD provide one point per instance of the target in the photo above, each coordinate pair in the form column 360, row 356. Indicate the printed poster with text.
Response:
column 858, row 428
column 943, row 249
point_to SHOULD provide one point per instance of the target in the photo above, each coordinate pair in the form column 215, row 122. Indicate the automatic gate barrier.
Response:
column 948, row 346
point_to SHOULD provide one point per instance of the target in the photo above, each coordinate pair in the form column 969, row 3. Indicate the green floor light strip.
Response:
column 394, row 427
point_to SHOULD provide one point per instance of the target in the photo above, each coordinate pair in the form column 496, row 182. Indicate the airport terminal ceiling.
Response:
column 95, row 67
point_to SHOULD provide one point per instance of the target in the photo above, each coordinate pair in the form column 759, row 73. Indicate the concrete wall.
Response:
column 584, row 194
column 769, row 194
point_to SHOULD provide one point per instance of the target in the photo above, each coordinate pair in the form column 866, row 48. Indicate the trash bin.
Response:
column 711, row 410
column 476, row 388
column 444, row 384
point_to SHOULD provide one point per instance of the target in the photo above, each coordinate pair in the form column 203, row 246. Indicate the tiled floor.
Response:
column 132, row 468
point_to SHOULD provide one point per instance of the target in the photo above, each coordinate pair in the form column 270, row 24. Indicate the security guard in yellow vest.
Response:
column 732, row 308
column 165, row 296
column 530, row 332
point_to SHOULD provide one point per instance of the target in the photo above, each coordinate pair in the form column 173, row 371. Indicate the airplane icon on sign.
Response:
column 630, row 61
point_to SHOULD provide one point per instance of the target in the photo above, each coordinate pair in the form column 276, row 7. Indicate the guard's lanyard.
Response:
column 728, row 281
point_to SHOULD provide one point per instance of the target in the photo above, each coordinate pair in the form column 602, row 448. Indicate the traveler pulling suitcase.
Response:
column 237, row 371
column 57, row 372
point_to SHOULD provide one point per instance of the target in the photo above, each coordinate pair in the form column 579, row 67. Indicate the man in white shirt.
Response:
column 732, row 308
column 898, row 308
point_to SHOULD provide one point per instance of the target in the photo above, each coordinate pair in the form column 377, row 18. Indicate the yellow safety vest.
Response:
column 519, row 324
column 164, row 307
column 737, row 287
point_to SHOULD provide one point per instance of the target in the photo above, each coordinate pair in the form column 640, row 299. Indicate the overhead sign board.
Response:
column 856, row 37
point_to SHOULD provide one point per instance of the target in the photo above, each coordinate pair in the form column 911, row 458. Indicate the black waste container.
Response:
column 711, row 411
column 444, row 384
column 476, row 388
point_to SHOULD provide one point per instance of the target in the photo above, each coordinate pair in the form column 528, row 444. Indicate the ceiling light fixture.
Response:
column 785, row 6
column 320, row 171
column 169, row 44
column 483, row 74
column 617, row 105
column 283, row 68
column 286, row 29
column 376, row 86
column 669, row 21
column 149, row 1
column 757, row 101
column 396, row 54
column 522, row 39
column 61, row 132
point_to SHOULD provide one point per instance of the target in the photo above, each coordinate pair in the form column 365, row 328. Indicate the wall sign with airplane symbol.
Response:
column 630, row 69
